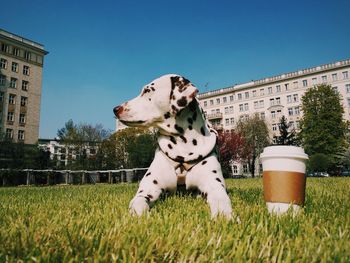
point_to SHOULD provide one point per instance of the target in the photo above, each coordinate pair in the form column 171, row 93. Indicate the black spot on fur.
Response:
column 194, row 141
column 204, row 162
column 140, row 191
column 214, row 171
column 152, row 88
column 190, row 121
column 162, row 190
column 203, row 131
column 168, row 125
column 183, row 139
column 149, row 99
column 174, row 108
column 167, row 154
column 149, row 173
column 155, row 181
column 192, row 106
column 190, row 154
column 223, row 186
column 178, row 128
column 190, row 127
column 152, row 84
column 150, row 196
column 182, row 102
column 172, row 139
column 170, row 147
column 147, row 198
column 194, row 117
column 179, row 159
column 200, row 157
column 218, row 179
column 167, row 115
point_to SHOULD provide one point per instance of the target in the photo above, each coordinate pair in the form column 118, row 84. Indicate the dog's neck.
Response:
column 188, row 136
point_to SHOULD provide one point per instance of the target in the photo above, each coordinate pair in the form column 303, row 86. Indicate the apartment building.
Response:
column 21, row 67
column 275, row 96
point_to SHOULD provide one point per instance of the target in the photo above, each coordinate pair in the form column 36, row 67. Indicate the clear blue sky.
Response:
column 102, row 52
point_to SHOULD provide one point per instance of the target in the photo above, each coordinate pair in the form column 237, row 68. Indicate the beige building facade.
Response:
column 21, row 69
column 275, row 96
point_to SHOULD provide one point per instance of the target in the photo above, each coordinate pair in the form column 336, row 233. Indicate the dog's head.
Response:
column 159, row 100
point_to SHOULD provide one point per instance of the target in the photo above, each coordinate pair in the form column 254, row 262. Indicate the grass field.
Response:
column 91, row 223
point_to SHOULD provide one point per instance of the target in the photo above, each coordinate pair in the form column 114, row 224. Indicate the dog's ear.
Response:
column 182, row 93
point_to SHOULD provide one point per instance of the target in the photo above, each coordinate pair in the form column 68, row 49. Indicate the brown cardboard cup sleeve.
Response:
column 284, row 187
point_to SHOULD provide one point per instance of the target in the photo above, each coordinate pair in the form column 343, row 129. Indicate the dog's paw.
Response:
column 138, row 206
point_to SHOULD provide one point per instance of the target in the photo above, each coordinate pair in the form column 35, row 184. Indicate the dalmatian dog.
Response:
column 186, row 151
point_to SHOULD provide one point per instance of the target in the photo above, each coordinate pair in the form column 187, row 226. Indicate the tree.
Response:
column 231, row 146
column 322, row 126
column 287, row 136
column 256, row 136
column 135, row 147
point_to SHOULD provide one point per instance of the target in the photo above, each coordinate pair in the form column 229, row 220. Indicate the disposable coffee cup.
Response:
column 284, row 178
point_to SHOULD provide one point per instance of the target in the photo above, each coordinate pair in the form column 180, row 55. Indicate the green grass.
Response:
column 92, row 223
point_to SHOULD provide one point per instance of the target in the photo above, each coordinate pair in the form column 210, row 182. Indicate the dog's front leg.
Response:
column 207, row 177
column 159, row 177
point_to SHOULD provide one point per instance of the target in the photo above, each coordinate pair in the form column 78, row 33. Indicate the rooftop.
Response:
column 22, row 39
column 276, row 78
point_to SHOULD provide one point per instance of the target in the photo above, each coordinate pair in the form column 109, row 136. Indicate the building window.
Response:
column 278, row 101
column 232, row 121
column 289, row 99
column 231, row 98
column 245, row 168
column 13, row 83
column 272, row 102
column 227, row 122
column 24, row 101
column 297, row 124
column 246, row 95
column 246, row 106
column 2, row 80
column 226, row 110
column 205, row 103
column 345, row 75
column 14, row 67
column 254, row 93
column 9, row 134
column 291, row 125
column 231, row 109
column 235, row 169
column 347, row 86
column 314, row 81
column 224, row 99
column 262, row 92
column 15, row 51
column 240, row 107
column 10, row 116
column 218, row 101
column 304, row 83
column 3, row 63
column 279, row 113
column 278, row 88
column 269, row 90
column 22, row 118
column 324, row 79
column 217, row 110
column 256, row 104
column 295, row 98
column 349, row 103
column 261, row 103
column 211, row 102
column 26, row 70
column 12, row 99
column 1, row 96
column 273, row 114
column 335, row 77
column 274, row 127
column 5, row 48
column 239, row 96
column 286, row 86
column 296, row 111
column 290, row 111
column 262, row 115
column 21, row 135
column 295, row 84
column 27, row 55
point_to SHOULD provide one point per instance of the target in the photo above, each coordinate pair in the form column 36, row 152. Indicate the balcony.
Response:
column 218, row 127
column 213, row 116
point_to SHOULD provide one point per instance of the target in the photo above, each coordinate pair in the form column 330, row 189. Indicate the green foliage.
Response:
column 319, row 162
column 92, row 224
column 135, row 147
column 256, row 137
column 322, row 126
column 287, row 136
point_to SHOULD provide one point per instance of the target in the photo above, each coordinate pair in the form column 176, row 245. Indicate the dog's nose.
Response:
column 118, row 110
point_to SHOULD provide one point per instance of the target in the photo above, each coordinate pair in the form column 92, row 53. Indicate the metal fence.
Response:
column 13, row 177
